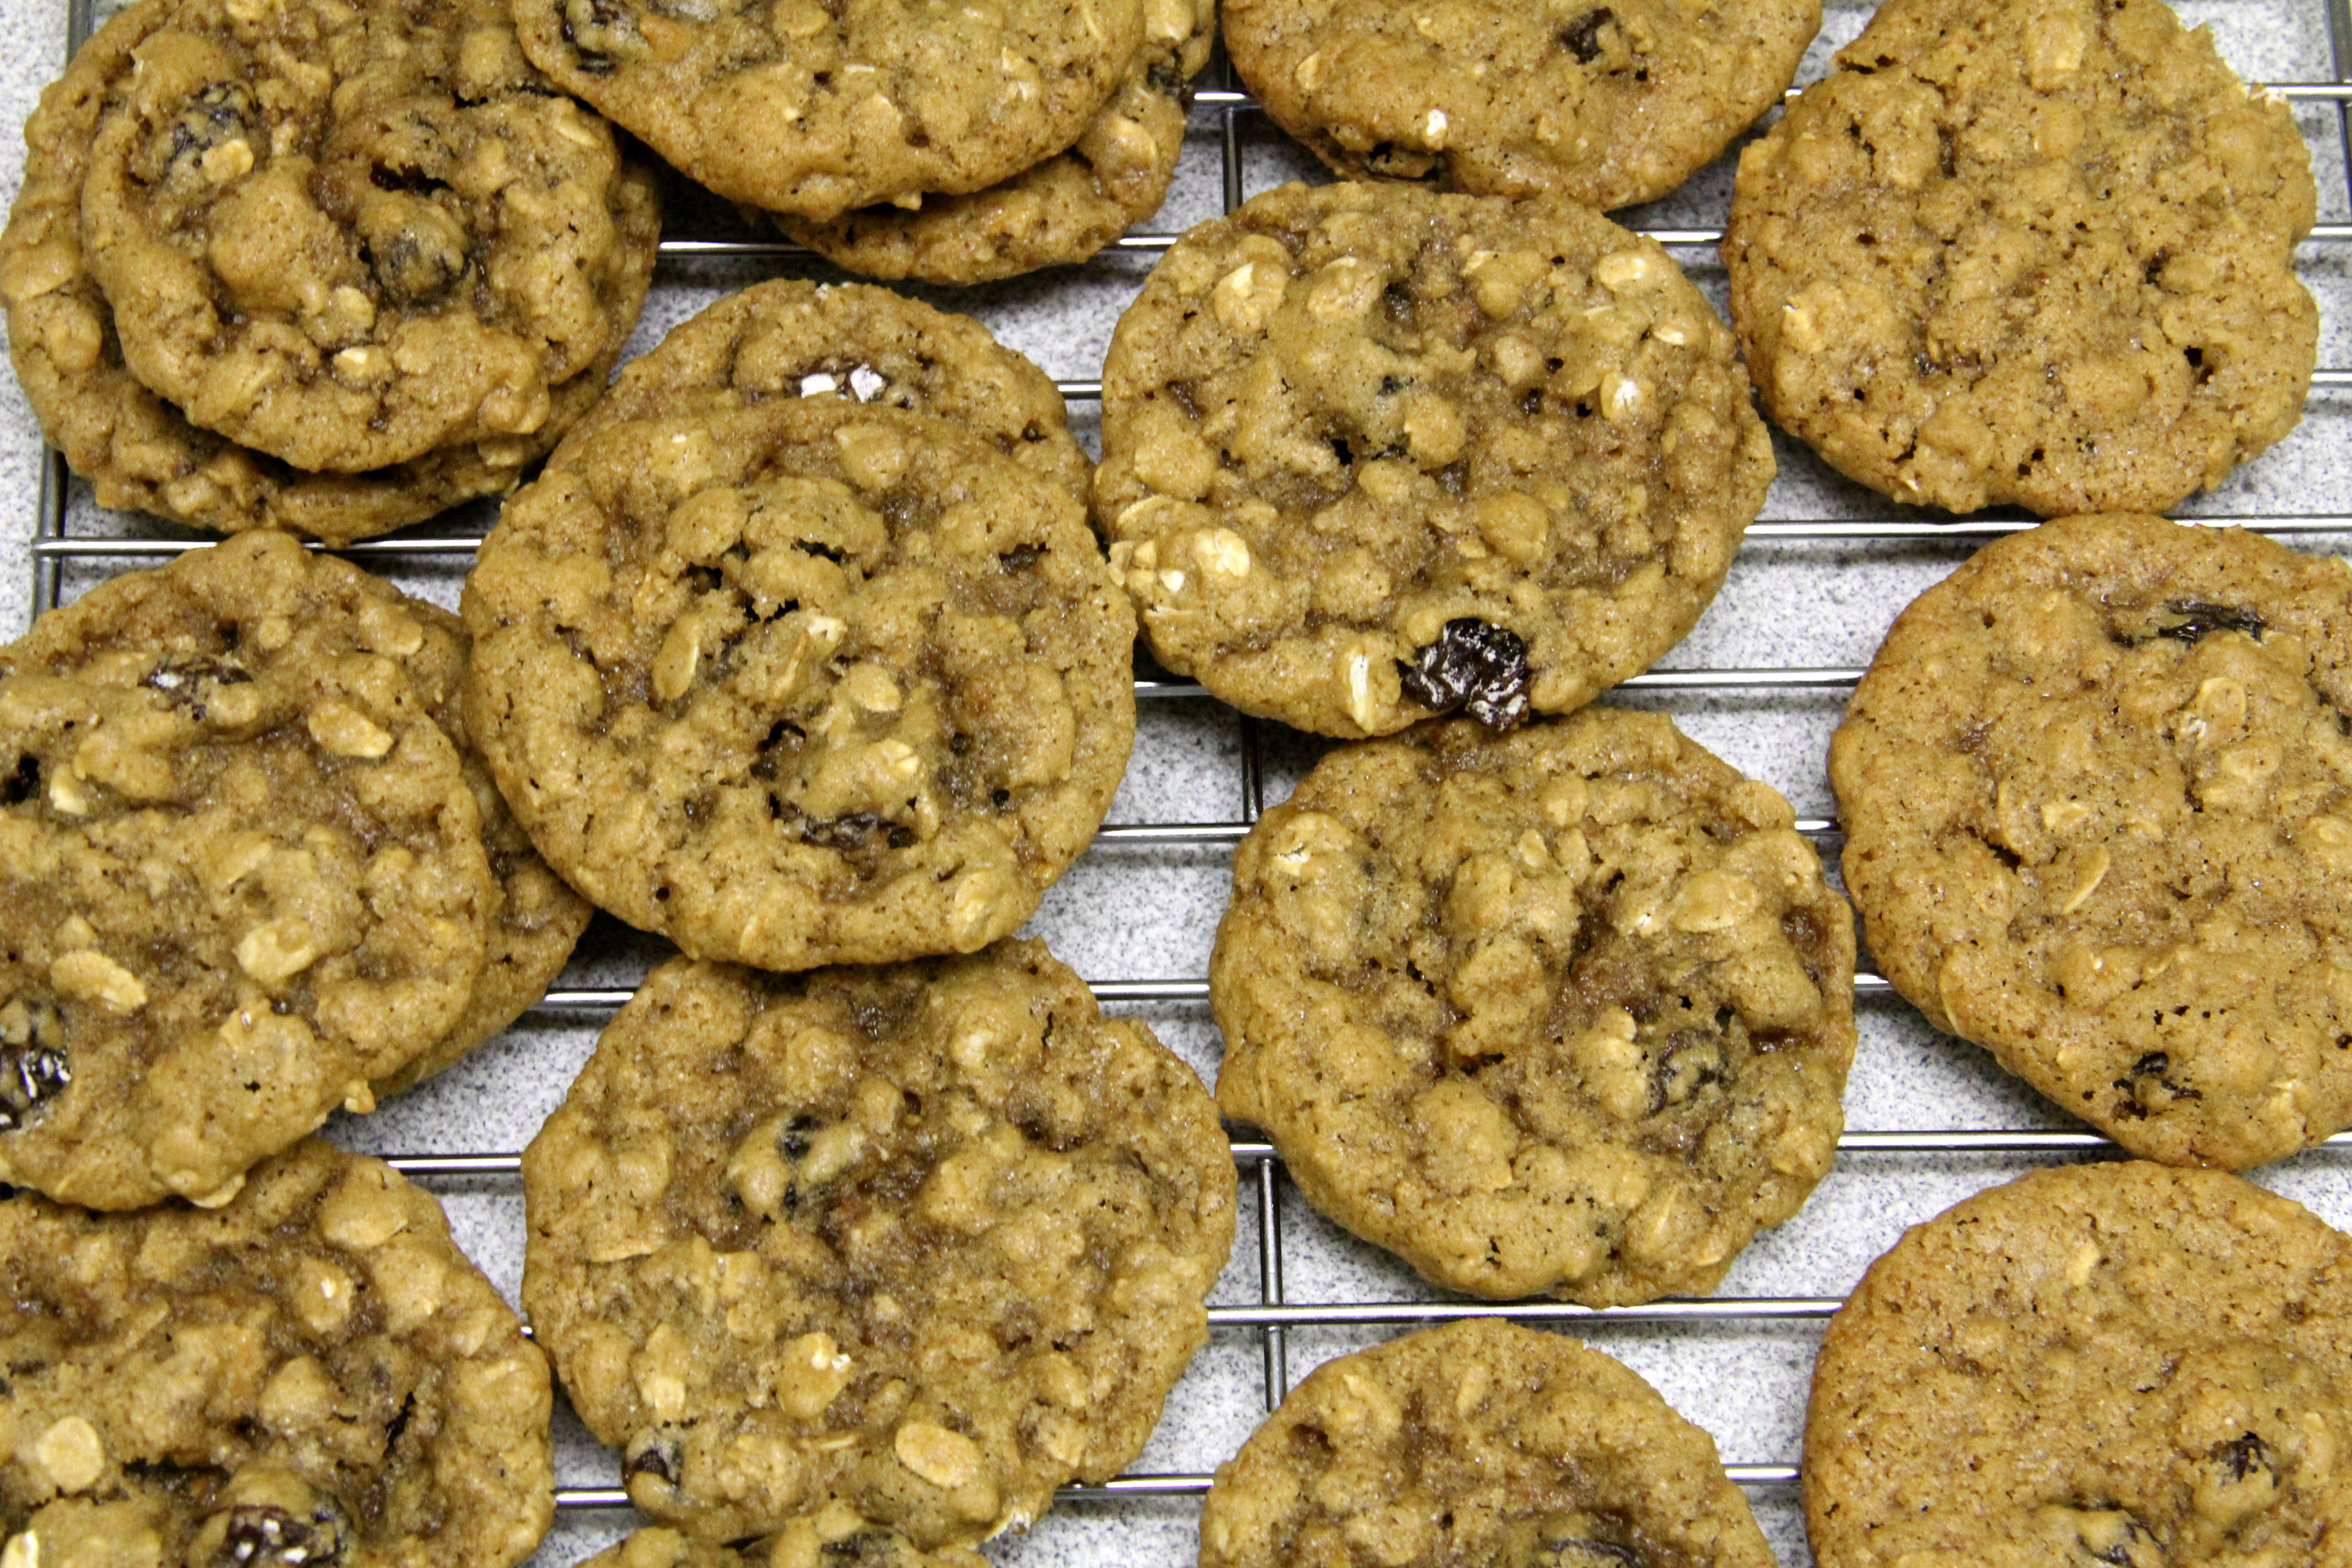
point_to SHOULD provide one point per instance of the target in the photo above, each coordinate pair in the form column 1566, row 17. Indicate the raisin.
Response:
column 658, row 1458
column 270, row 1537
column 2244, row 1456
column 23, row 783
column 2200, row 619
column 215, row 116
column 843, row 832
column 33, row 1070
column 1582, row 37
column 1474, row 666
column 186, row 683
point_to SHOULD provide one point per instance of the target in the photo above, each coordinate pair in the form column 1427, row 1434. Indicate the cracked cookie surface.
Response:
column 1607, row 105
column 935, row 1243
column 1062, row 210
column 839, row 1539
column 2039, row 252
column 2097, row 794
column 242, row 872
column 1564, row 1011
column 137, row 449
column 1349, row 429
column 349, row 239
column 2114, row 1363
column 806, row 108
column 807, row 683
column 1478, row 1442
column 786, row 339
column 311, row 1374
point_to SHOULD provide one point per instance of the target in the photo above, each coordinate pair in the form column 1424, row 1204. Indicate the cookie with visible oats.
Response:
column 1608, row 105
column 241, row 868
column 2038, row 252
column 137, row 449
column 1565, row 1011
column 536, row 919
column 933, row 1243
column 2113, row 1364
column 2097, row 794
column 1062, row 210
column 1477, row 1442
column 1371, row 453
column 350, row 239
column 787, row 338
column 804, row 683
column 806, row 1545
column 805, row 107
column 313, row 1373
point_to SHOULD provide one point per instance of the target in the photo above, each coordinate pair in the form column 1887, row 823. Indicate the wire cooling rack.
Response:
column 1761, row 681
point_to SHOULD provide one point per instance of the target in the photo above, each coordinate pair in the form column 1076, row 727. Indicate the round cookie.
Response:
column 805, row 1545
column 2096, row 1364
column 801, row 684
column 787, row 338
column 242, row 872
column 1607, row 105
column 934, row 1242
column 2038, row 252
column 311, row 1374
column 1371, row 452
column 2098, row 822
column 135, row 449
column 346, row 239
column 536, row 919
column 1477, row 1442
column 1060, row 211
column 1568, row 1010
column 813, row 108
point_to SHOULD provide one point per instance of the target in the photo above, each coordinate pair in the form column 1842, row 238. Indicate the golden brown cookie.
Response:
column 2032, row 251
column 2098, row 795
column 807, row 1544
column 352, row 238
column 137, row 450
column 1479, row 1442
column 933, row 1242
column 1566, row 1010
column 2113, row 1363
column 1058, row 211
column 1607, row 105
column 312, row 1374
column 242, row 874
column 1371, row 453
column 811, row 109
column 787, row 338
column 807, row 683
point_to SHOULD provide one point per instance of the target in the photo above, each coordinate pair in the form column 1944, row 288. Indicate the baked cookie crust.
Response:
column 807, row 683
column 313, row 1373
column 2097, row 821
column 349, row 239
column 1061, row 210
column 138, row 451
column 1565, row 1011
column 2098, row 1364
column 787, row 339
column 1371, row 452
column 813, row 109
column 2038, row 252
column 934, row 1243
column 1607, row 105
column 1477, row 1442
column 242, row 872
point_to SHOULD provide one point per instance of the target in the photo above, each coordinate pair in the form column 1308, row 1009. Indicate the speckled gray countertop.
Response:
column 1150, row 914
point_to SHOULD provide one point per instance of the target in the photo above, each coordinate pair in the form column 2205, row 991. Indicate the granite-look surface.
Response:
column 1146, row 913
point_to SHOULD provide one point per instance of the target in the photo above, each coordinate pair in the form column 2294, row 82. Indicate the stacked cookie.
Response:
column 252, row 872
column 902, row 138
column 301, row 266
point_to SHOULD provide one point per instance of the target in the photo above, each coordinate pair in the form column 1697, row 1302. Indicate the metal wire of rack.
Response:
column 1272, row 1316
